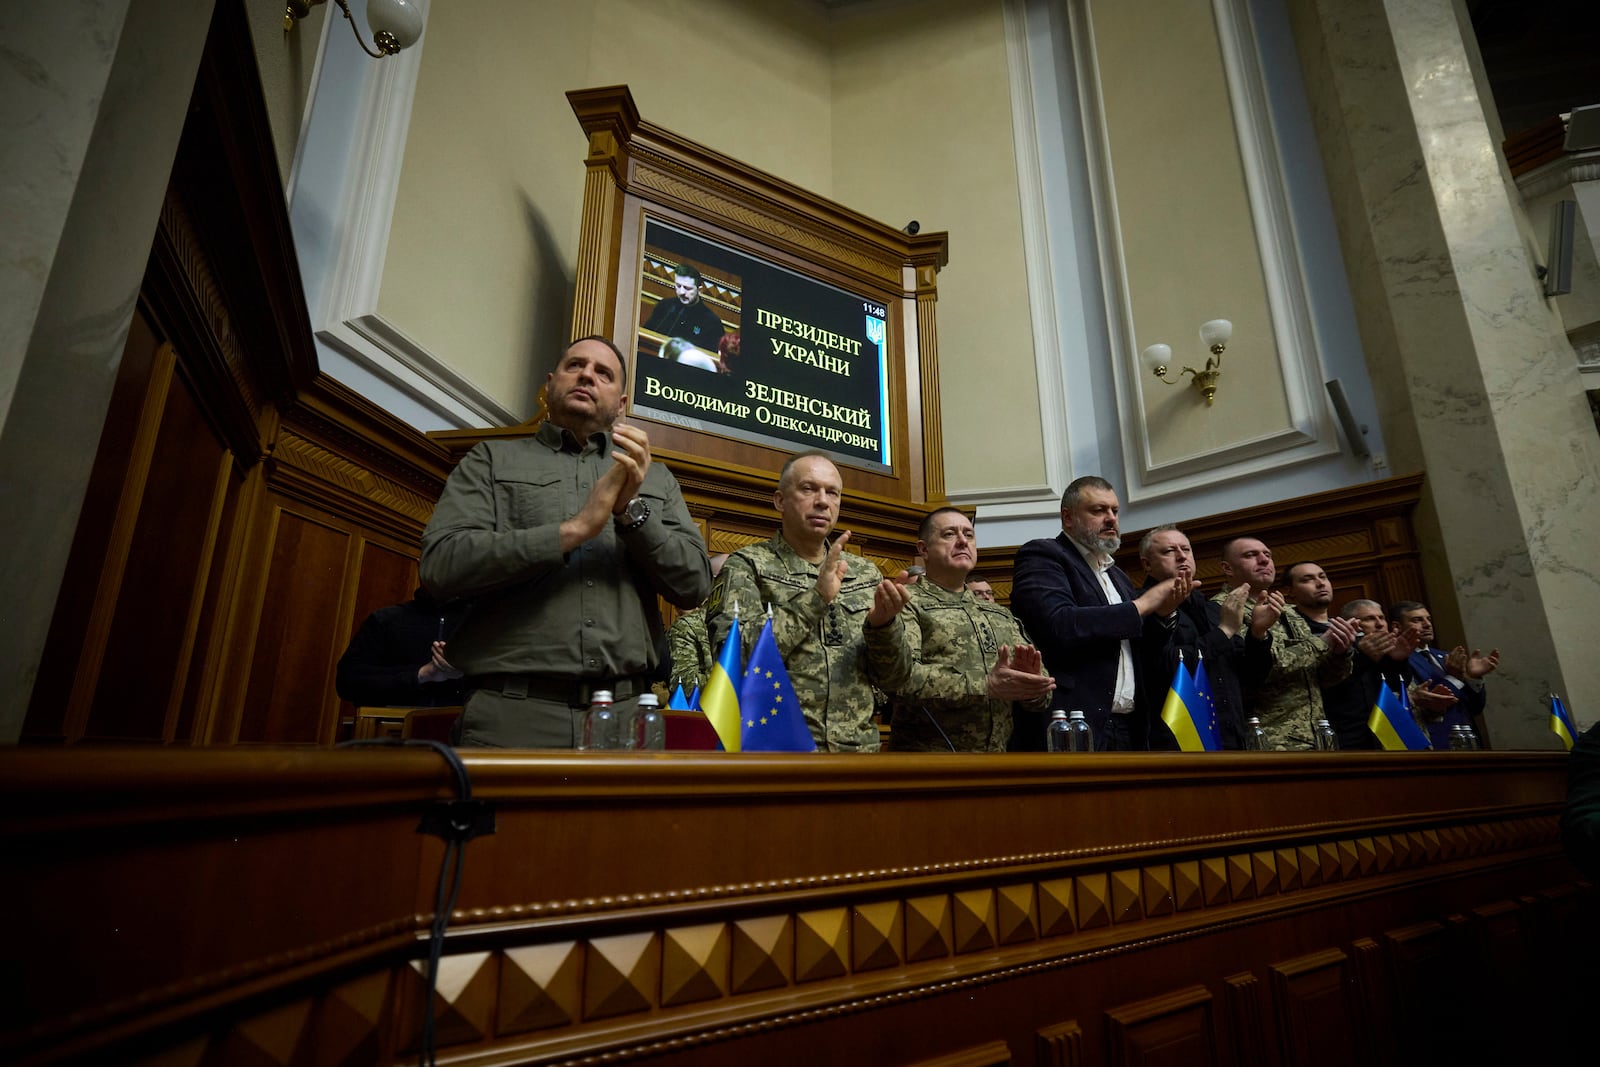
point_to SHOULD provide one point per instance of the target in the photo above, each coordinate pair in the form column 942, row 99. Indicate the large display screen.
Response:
column 734, row 345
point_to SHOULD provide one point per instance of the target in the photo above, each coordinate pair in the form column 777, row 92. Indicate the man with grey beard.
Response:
column 1084, row 615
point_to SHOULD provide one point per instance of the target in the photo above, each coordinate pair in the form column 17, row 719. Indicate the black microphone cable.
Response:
column 456, row 822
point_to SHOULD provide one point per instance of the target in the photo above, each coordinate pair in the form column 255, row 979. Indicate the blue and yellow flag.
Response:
column 1187, row 714
column 720, row 701
column 677, row 701
column 1561, row 723
column 1391, row 723
column 1202, row 686
column 694, row 699
column 773, row 721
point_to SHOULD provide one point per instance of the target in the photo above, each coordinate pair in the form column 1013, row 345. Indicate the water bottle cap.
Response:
column 1077, row 714
column 601, row 696
column 648, row 700
column 1324, row 722
column 1058, row 713
column 1253, row 721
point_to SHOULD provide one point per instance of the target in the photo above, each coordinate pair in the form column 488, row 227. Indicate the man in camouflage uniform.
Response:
column 1288, row 698
column 953, row 662
column 689, row 645
column 821, row 599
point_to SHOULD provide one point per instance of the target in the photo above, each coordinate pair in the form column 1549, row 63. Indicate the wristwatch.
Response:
column 634, row 514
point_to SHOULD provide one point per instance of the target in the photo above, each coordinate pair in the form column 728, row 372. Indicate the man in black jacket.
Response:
column 1198, row 626
column 397, row 657
column 1085, row 617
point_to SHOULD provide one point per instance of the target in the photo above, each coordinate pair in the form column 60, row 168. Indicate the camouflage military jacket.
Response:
column 934, row 661
column 1289, row 700
column 821, row 643
column 690, row 648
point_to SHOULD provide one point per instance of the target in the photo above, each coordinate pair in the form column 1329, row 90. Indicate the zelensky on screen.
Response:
column 734, row 345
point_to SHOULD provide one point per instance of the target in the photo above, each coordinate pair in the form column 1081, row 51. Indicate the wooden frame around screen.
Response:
column 638, row 171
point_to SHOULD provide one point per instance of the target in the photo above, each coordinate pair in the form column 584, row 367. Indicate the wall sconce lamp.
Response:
column 396, row 24
column 1215, row 335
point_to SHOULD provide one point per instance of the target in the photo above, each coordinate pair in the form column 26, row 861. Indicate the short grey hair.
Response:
column 1145, row 541
column 1069, row 498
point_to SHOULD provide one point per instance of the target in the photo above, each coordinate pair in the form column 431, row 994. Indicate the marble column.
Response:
column 93, row 95
column 1476, row 380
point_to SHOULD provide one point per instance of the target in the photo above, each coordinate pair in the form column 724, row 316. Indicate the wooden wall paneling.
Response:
column 1060, row 1045
column 636, row 909
column 289, row 695
column 118, row 544
column 1316, row 1025
column 186, row 694
column 55, row 714
column 169, row 549
column 1424, row 965
column 1248, row 1044
column 1170, row 1029
column 990, row 1054
column 1374, row 1002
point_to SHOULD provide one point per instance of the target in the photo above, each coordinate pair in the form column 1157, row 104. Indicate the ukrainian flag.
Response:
column 720, row 700
column 773, row 721
column 1561, row 723
column 1392, row 724
column 1188, row 714
column 677, row 701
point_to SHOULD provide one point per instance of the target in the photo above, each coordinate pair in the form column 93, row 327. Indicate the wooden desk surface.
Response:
column 714, row 909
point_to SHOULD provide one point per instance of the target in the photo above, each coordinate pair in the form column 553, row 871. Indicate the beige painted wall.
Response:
column 286, row 61
column 1187, row 234
column 485, row 234
column 895, row 109
column 922, row 129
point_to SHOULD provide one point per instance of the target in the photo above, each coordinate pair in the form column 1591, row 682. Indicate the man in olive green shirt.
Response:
column 563, row 540
column 953, row 662
column 821, row 598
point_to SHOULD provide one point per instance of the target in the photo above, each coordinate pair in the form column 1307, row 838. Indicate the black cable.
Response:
column 456, row 822
column 936, row 726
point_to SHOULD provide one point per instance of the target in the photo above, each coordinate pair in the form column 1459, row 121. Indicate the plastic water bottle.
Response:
column 600, row 726
column 1255, row 738
column 1327, row 739
column 1057, row 736
column 649, row 731
column 1080, row 736
column 1462, row 739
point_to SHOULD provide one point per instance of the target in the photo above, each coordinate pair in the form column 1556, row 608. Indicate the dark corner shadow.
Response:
column 552, row 301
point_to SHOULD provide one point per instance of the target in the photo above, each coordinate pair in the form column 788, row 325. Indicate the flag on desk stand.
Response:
column 694, row 699
column 1391, row 722
column 773, row 721
column 1188, row 714
column 1202, row 685
column 720, row 701
column 1561, row 723
column 677, row 701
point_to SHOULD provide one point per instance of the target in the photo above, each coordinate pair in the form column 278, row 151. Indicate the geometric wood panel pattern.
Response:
column 609, row 920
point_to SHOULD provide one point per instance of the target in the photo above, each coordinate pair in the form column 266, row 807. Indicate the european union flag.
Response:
column 773, row 721
column 720, row 701
column 1561, row 723
column 677, row 701
column 694, row 698
column 1202, row 686
column 1391, row 723
column 1189, row 715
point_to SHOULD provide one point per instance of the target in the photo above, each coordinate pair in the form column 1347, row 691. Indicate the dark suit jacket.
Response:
column 1428, row 666
column 1079, row 633
column 1194, row 627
